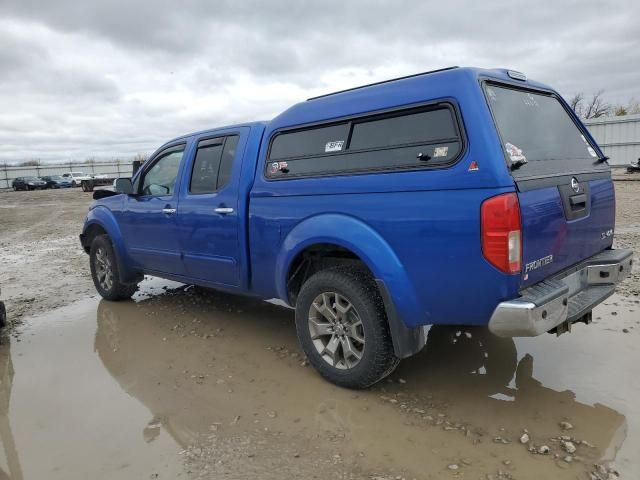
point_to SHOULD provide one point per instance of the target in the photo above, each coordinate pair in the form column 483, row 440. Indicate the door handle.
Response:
column 169, row 211
column 223, row 210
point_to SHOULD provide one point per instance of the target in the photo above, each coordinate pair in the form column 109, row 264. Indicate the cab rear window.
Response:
column 428, row 137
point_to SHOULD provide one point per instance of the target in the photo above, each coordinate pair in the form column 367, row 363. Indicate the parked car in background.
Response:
column 75, row 178
column 455, row 197
column 28, row 183
column 56, row 181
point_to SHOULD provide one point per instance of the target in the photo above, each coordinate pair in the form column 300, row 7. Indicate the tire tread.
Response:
column 119, row 290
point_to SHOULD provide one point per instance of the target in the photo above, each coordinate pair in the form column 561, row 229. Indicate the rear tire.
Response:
column 342, row 327
column 104, row 271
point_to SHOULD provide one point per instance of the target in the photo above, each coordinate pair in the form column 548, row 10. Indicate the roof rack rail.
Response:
column 383, row 81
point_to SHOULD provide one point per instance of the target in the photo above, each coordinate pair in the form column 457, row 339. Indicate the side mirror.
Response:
column 124, row 185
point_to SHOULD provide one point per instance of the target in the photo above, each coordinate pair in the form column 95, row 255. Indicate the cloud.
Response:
column 112, row 78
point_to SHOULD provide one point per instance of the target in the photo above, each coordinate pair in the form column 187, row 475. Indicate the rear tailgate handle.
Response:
column 578, row 201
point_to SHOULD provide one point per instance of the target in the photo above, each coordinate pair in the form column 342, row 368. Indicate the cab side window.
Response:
column 213, row 164
column 160, row 179
column 206, row 165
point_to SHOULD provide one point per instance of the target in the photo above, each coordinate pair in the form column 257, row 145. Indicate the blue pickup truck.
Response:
column 460, row 196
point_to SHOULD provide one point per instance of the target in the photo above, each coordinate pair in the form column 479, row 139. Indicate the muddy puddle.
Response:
column 185, row 383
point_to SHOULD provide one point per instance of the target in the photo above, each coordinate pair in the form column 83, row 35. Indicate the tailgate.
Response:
column 565, row 191
column 558, row 231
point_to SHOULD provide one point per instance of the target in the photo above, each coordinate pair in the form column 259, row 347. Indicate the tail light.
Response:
column 502, row 232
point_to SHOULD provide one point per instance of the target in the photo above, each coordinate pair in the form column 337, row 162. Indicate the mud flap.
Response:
column 406, row 341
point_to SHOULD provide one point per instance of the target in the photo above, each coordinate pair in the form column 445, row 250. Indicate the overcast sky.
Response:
column 110, row 78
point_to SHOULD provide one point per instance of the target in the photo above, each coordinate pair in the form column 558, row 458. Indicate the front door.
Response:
column 208, row 211
column 149, row 218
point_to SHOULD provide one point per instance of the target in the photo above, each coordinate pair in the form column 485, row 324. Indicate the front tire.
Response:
column 104, row 271
column 342, row 327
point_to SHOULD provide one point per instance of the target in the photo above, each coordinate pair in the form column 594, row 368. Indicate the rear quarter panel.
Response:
column 440, row 275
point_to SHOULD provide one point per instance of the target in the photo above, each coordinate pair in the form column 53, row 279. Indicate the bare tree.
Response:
column 576, row 103
column 141, row 157
column 596, row 107
column 620, row 110
column 633, row 107
column 29, row 163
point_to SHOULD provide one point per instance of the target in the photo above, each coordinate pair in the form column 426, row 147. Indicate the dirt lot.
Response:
column 184, row 383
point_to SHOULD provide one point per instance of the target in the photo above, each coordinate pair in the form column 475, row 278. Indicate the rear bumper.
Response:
column 565, row 297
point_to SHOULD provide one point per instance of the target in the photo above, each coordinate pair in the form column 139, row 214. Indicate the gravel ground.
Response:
column 226, row 392
column 42, row 265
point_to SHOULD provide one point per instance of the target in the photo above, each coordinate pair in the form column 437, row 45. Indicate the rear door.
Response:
column 565, row 190
column 208, row 210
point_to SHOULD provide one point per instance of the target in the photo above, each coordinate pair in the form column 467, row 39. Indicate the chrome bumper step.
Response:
column 565, row 297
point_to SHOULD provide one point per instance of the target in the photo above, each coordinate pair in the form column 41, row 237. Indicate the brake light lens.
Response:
column 502, row 232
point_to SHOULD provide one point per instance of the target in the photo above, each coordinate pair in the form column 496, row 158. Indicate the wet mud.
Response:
column 187, row 383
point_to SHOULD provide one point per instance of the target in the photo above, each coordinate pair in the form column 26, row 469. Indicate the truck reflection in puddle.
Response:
column 204, row 362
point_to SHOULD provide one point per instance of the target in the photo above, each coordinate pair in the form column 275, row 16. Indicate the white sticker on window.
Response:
column 515, row 153
column 440, row 152
column 276, row 167
column 335, row 146
column 530, row 100
column 592, row 152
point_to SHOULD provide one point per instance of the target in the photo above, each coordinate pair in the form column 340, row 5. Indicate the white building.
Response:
column 619, row 137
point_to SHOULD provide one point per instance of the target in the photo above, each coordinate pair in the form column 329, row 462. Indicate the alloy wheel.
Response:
column 104, row 272
column 336, row 330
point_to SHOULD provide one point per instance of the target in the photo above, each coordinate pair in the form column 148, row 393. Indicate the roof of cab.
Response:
column 213, row 131
column 412, row 89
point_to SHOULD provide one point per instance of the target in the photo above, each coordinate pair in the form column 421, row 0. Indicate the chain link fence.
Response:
column 112, row 169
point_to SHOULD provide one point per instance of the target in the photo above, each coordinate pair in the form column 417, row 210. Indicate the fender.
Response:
column 102, row 216
column 397, row 291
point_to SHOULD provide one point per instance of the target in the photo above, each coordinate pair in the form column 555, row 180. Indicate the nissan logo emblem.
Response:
column 575, row 185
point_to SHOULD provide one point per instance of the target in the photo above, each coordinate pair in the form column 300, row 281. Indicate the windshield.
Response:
column 535, row 127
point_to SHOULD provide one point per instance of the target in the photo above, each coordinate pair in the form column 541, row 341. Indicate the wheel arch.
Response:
column 355, row 241
column 100, row 220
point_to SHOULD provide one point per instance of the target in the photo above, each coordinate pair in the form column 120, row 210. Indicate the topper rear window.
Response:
column 417, row 138
column 538, row 135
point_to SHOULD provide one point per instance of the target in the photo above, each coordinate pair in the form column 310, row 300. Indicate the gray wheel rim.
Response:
column 104, row 272
column 336, row 330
